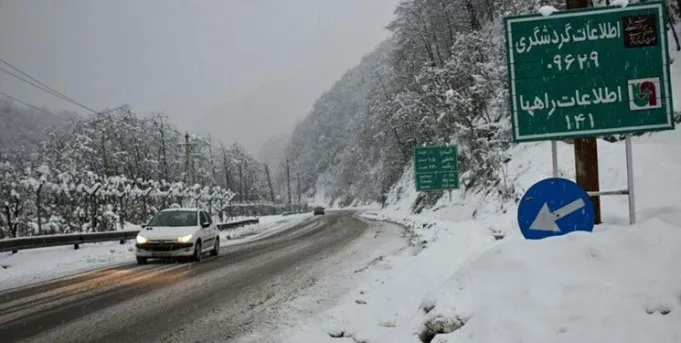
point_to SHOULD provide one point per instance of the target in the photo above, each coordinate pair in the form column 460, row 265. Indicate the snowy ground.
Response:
column 37, row 265
column 330, row 279
column 267, row 224
column 619, row 284
column 477, row 280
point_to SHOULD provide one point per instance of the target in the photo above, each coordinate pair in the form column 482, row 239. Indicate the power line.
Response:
column 56, row 94
column 32, row 84
column 31, row 77
column 41, row 85
column 31, row 106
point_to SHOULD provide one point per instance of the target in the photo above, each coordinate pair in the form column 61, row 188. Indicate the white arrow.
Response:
column 546, row 220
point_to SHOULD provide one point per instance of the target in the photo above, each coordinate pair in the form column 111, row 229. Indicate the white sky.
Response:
column 238, row 69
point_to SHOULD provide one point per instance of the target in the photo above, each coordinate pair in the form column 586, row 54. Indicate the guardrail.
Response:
column 225, row 226
column 292, row 213
column 76, row 239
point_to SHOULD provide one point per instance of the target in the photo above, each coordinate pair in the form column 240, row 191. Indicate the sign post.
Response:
column 436, row 168
column 587, row 73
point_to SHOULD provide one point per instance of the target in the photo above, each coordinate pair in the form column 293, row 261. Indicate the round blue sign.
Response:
column 554, row 207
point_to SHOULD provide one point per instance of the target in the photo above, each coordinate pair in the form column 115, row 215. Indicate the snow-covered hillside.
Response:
column 478, row 280
column 618, row 284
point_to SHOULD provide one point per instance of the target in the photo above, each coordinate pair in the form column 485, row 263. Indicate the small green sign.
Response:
column 437, row 168
column 589, row 72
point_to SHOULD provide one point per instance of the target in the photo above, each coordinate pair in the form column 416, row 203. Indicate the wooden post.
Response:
column 586, row 149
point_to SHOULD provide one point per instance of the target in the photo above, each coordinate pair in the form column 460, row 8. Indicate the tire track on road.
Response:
column 122, row 303
column 42, row 303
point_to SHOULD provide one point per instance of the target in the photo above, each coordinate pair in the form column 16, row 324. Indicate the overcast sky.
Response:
column 239, row 69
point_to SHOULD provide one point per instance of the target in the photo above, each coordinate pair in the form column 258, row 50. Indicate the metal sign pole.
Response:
column 630, row 180
column 554, row 157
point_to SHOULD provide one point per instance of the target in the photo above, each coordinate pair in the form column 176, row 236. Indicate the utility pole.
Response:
column 193, row 171
column 188, row 160
column 269, row 182
column 212, row 164
column 241, row 182
column 298, row 187
column 586, row 149
column 187, row 167
column 163, row 151
column 288, row 181
column 228, row 181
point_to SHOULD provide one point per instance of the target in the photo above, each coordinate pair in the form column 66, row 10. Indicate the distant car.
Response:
column 318, row 211
column 178, row 232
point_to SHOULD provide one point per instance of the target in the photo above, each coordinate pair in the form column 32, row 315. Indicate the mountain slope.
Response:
column 440, row 79
column 342, row 148
column 24, row 127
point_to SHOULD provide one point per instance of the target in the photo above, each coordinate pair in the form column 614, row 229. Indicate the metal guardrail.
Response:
column 236, row 224
column 292, row 213
column 76, row 239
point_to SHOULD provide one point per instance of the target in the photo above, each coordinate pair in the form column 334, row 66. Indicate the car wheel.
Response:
column 216, row 248
column 197, row 252
column 141, row 260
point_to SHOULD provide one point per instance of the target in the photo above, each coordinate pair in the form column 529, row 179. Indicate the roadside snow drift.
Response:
column 478, row 280
column 267, row 225
column 35, row 265
column 619, row 285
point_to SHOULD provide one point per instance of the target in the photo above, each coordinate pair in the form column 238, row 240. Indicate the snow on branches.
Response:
column 98, row 173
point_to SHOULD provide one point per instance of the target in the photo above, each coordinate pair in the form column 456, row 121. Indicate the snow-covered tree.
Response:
column 440, row 79
column 89, row 174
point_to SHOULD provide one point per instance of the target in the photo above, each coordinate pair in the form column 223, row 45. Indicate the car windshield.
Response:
column 174, row 219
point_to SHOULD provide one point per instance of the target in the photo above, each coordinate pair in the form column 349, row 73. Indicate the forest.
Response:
column 85, row 174
column 439, row 79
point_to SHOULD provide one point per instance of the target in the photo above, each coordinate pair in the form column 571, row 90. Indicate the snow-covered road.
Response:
column 36, row 265
column 296, row 270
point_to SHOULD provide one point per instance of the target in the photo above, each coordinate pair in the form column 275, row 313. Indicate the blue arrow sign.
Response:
column 554, row 207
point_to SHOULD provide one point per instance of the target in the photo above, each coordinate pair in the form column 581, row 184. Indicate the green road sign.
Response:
column 589, row 72
column 437, row 168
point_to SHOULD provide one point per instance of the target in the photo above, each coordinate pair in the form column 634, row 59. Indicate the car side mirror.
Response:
column 205, row 224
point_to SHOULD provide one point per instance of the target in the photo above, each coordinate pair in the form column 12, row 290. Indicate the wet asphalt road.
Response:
column 211, row 301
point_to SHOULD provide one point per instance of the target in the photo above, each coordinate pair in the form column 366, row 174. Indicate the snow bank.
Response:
column 266, row 225
column 476, row 270
column 396, row 287
column 42, row 264
column 477, row 280
column 619, row 285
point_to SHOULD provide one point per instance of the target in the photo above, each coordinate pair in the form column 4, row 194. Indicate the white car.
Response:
column 178, row 232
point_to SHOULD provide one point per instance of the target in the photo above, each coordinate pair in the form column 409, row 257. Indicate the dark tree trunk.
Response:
column 475, row 23
column 8, row 214
column 39, row 209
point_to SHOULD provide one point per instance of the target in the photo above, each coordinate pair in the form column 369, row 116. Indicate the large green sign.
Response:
column 437, row 168
column 590, row 72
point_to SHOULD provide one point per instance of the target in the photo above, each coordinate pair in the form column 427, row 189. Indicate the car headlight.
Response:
column 141, row 240
column 185, row 239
